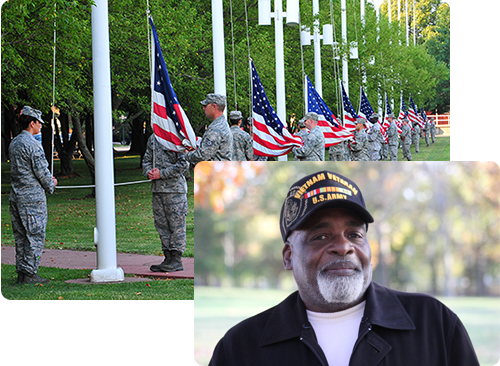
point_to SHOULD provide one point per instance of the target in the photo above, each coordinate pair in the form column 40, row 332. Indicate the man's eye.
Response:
column 320, row 237
column 355, row 235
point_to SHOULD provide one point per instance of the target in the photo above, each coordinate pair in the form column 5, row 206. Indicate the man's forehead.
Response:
column 340, row 214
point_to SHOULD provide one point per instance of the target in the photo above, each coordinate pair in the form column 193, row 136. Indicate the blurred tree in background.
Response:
column 435, row 229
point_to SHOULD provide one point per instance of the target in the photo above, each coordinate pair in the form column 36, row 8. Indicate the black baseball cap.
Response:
column 318, row 191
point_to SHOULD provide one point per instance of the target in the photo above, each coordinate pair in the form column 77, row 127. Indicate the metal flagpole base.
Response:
column 107, row 275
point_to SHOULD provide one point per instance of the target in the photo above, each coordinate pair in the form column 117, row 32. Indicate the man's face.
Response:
column 359, row 126
column 209, row 110
column 310, row 123
column 330, row 259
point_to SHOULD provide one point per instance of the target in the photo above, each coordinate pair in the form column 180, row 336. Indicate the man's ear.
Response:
column 287, row 256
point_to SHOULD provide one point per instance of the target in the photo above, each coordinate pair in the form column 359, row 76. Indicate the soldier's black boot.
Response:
column 160, row 267
column 172, row 265
column 33, row 278
column 20, row 277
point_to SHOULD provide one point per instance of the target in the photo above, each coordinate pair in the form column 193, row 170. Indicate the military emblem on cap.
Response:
column 320, row 190
column 292, row 208
column 214, row 98
column 33, row 113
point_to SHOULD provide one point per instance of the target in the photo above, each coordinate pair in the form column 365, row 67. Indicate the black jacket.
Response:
column 397, row 328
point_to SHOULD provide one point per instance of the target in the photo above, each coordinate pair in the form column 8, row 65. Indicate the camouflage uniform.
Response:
column 217, row 143
column 375, row 140
column 416, row 137
column 170, row 204
column 427, row 129
column 314, row 147
column 392, row 136
column 242, row 145
column 359, row 149
column 302, row 134
column 336, row 152
column 433, row 130
column 30, row 179
column 406, row 141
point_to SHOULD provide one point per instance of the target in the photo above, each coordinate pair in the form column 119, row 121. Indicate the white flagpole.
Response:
column 407, row 27
column 219, row 51
column 105, row 232
column 414, row 23
column 345, row 71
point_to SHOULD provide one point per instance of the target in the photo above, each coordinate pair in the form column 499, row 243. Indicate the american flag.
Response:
column 413, row 114
column 424, row 116
column 270, row 136
column 169, row 121
column 388, row 111
column 333, row 131
column 350, row 115
column 365, row 108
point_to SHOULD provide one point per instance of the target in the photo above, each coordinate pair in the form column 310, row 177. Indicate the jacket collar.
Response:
column 384, row 309
column 289, row 318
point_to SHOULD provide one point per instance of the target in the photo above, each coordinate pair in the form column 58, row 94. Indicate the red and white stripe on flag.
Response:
column 333, row 135
column 267, row 142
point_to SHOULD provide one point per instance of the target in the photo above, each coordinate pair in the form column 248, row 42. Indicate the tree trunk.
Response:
column 139, row 138
column 66, row 147
column 87, row 154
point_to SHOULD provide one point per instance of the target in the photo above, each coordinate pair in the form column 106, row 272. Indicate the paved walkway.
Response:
column 130, row 263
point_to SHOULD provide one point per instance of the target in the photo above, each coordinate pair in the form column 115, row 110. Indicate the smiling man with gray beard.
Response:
column 339, row 316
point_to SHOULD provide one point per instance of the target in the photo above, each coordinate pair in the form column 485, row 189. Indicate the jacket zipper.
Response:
column 311, row 347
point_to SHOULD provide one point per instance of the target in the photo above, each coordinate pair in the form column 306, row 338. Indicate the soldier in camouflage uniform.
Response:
column 314, row 143
column 359, row 147
column 427, row 130
column 406, row 139
column 303, row 132
column 217, row 142
column 336, row 152
column 242, row 141
column 30, row 179
column 166, row 169
column 415, row 135
column 375, row 138
column 392, row 136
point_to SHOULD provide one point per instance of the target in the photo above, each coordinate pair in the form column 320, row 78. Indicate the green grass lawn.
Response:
column 71, row 213
column 58, row 289
column 218, row 309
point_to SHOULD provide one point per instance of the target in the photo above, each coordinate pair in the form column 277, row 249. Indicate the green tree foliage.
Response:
column 385, row 64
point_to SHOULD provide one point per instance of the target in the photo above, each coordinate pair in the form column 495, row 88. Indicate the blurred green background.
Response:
column 435, row 232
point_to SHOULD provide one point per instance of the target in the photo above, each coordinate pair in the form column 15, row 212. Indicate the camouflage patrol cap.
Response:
column 28, row 111
column 360, row 120
column 311, row 115
column 301, row 123
column 390, row 115
column 374, row 116
column 317, row 191
column 214, row 98
column 235, row 115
